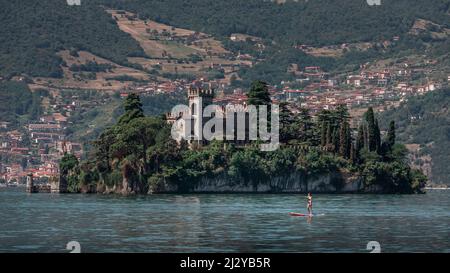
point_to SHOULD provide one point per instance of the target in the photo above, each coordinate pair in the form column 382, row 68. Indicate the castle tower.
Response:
column 198, row 98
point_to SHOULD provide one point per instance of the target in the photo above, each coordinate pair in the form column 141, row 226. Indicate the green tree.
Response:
column 133, row 109
column 353, row 154
column 259, row 94
column 360, row 141
column 286, row 123
column 329, row 136
column 323, row 134
column 139, row 135
column 336, row 141
column 304, row 126
column 391, row 134
column 377, row 136
column 373, row 130
column 344, row 140
column 68, row 163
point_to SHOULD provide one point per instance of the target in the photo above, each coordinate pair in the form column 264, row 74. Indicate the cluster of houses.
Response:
column 384, row 87
column 153, row 88
column 36, row 148
column 319, row 90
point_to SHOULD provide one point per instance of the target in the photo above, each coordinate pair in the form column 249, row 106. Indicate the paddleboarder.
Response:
column 309, row 203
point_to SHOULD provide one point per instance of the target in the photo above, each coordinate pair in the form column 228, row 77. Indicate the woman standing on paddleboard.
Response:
column 309, row 203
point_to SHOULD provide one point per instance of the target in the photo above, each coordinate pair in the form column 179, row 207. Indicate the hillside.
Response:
column 338, row 36
column 17, row 102
column 175, row 51
column 33, row 32
column 318, row 22
column 424, row 123
column 33, row 35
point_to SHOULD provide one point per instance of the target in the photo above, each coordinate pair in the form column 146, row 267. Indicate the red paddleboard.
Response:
column 294, row 214
column 298, row 214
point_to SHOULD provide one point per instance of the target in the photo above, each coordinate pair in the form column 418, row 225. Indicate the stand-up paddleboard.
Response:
column 294, row 214
column 298, row 214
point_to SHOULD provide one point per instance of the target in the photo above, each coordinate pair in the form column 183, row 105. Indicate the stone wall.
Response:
column 55, row 185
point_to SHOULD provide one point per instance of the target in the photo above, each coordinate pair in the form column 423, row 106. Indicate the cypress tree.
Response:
column 343, row 140
column 391, row 134
column 353, row 156
column 360, row 139
column 348, row 141
column 336, row 141
column 366, row 136
column 372, row 130
column 342, row 113
column 133, row 109
column 377, row 136
column 323, row 136
column 286, row 121
column 329, row 134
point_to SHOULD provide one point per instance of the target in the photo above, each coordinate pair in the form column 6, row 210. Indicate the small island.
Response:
column 320, row 154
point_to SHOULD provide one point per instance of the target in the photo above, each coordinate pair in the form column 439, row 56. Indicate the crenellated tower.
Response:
column 199, row 97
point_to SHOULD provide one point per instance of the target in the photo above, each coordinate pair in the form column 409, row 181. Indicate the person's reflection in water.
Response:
column 309, row 219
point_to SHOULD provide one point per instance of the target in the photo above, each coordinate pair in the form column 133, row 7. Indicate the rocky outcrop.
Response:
column 292, row 183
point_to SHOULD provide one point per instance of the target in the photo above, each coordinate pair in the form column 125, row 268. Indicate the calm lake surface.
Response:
column 223, row 223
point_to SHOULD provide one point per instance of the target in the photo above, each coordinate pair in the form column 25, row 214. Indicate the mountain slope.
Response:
column 425, row 121
column 32, row 32
column 318, row 22
column 347, row 24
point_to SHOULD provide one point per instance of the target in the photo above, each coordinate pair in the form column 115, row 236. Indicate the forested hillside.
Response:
column 315, row 23
column 426, row 121
column 32, row 32
column 318, row 22
column 17, row 101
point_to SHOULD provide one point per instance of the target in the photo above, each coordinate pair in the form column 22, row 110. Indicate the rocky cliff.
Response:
column 291, row 183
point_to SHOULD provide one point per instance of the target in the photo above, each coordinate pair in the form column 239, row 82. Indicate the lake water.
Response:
column 223, row 223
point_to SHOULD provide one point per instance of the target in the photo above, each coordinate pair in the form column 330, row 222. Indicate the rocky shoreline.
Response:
column 292, row 183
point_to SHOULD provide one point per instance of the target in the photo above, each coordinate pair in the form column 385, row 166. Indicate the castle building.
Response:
column 226, row 122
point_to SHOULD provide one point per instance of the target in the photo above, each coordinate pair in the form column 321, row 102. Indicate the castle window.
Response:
column 192, row 127
column 193, row 109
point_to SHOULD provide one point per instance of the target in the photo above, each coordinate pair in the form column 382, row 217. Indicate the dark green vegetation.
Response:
column 138, row 154
column 18, row 102
column 33, row 31
column 425, row 120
